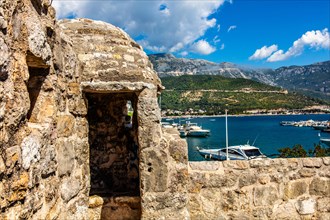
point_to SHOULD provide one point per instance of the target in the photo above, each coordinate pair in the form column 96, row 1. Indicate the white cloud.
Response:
column 166, row 25
column 314, row 39
column 232, row 28
column 184, row 53
column 218, row 27
column 216, row 39
column 263, row 52
column 202, row 47
column 222, row 46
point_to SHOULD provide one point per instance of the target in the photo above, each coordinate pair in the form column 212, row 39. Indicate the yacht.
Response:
column 239, row 152
column 325, row 141
column 193, row 130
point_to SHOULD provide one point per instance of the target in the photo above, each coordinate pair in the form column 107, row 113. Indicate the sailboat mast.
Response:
column 226, row 136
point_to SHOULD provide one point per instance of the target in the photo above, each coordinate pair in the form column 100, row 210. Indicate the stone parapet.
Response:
column 260, row 189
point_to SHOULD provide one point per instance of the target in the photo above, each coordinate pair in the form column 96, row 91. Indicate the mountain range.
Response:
column 312, row 80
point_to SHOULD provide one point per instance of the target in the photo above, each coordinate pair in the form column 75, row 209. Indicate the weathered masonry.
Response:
column 264, row 189
column 80, row 136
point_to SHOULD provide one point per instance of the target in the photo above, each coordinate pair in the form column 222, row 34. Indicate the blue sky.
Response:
column 268, row 33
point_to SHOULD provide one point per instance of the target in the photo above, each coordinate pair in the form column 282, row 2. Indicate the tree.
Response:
column 296, row 151
column 299, row 151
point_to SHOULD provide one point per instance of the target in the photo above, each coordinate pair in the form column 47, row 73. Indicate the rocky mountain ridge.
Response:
column 169, row 65
column 313, row 80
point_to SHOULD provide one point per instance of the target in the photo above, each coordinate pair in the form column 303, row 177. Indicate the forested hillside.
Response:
column 212, row 94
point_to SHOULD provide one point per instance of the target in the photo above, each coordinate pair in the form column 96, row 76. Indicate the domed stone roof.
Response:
column 107, row 53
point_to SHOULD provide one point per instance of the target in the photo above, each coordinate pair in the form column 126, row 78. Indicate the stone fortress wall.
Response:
column 69, row 151
column 260, row 189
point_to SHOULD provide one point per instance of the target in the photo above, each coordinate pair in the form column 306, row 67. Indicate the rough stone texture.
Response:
column 55, row 136
column 108, row 53
column 54, row 140
column 264, row 189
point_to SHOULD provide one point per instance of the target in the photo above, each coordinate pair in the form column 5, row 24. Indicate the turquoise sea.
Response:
column 264, row 131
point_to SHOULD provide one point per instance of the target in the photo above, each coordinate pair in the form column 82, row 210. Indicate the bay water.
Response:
column 264, row 132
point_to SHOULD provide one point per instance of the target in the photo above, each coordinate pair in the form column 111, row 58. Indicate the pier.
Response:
column 318, row 125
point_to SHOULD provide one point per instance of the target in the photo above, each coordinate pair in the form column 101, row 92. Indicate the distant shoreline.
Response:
column 240, row 115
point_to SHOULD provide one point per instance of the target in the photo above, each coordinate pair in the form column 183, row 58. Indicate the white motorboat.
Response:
column 193, row 130
column 239, row 152
column 325, row 141
column 166, row 125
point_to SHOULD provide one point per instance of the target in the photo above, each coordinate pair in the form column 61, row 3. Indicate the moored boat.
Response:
column 325, row 141
column 239, row 152
column 193, row 130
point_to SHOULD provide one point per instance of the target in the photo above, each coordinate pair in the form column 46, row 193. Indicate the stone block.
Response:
column 260, row 163
column 265, row 195
column 47, row 110
column 221, row 180
column 230, row 201
column 264, row 179
column 178, row 150
column 65, row 125
column 81, row 128
column 262, row 213
column 70, row 187
column 306, row 207
column 30, row 150
column 16, row 196
column 294, row 189
column 21, row 183
column 73, row 89
column 48, row 161
column 77, row 106
column 121, row 208
column 13, row 156
column 323, row 216
column 2, row 166
column 306, row 172
column 285, row 211
column 246, row 179
column 197, row 181
column 312, row 162
column 95, row 201
column 320, row 187
column 65, row 156
column 155, row 174
column 323, row 204
column 326, row 160
column 206, row 166
column 129, row 58
column 237, row 164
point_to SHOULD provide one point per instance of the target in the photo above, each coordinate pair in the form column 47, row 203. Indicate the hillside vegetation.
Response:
column 213, row 94
column 311, row 80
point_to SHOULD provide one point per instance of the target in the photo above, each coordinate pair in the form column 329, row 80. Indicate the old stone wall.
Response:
column 260, row 189
column 43, row 129
column 66, row 148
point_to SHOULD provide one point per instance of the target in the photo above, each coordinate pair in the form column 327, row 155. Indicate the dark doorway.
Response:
column 114, row 162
